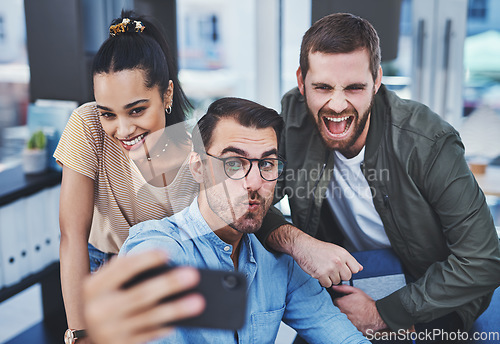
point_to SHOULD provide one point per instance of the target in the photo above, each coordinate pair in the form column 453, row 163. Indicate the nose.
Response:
column 125, row 128
column 337, row 101
column 253, row 181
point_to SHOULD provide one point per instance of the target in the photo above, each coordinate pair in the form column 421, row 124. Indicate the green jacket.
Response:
column 433, row 211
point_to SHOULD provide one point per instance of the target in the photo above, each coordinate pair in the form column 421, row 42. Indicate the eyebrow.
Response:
column 322, row 84
column 232, row 149
column 241, row 152
column 128, row 106
column 359, row 85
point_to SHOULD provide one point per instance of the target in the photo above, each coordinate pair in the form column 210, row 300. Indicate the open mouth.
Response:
column 129, row 144
column 338, row 126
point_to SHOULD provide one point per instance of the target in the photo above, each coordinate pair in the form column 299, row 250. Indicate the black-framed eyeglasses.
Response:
column 238, row 167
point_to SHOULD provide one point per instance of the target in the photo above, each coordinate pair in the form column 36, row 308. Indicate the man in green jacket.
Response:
column 368, row 170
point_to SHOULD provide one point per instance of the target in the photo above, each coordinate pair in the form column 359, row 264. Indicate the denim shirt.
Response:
column 278, row 289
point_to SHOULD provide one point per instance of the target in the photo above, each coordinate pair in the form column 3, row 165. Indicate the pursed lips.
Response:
column 253, row 205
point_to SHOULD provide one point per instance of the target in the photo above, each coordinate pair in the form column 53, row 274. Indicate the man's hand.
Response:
column 326, row 262
column 130, row 316
column 359, row 308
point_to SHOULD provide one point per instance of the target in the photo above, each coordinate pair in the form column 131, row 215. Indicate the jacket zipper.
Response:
column 387, row 204
column 314, row 190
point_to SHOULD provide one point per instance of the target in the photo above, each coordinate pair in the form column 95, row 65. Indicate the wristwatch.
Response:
column 70, row 336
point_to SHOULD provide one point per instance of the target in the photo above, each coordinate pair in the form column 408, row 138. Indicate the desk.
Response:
column 14, row 184
column 489, row 182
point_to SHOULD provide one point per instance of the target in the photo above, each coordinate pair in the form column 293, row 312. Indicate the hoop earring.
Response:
column 168, row 110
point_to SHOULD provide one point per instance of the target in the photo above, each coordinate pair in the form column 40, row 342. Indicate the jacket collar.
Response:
column 379, row 124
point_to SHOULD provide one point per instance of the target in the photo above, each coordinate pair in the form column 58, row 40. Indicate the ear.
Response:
column 169, row 95
column 196, row 167
column 378, row 81
column 300, row 80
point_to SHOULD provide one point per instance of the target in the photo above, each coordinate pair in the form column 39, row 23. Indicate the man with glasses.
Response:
column 236, row 163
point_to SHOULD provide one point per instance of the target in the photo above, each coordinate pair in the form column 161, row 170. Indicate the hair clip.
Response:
column 126, row 25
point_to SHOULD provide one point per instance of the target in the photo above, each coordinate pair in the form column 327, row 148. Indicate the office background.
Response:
column 445, row 53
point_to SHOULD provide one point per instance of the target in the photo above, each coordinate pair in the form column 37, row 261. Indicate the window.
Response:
column 14, row 76
column 478, row 9
column 2, row 30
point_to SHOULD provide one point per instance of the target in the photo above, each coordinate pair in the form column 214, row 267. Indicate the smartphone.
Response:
column 225, row 297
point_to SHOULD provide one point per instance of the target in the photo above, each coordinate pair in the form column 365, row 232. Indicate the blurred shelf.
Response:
column 14, row 73
column 489, row 182
column 14, row 184
column 47, row 272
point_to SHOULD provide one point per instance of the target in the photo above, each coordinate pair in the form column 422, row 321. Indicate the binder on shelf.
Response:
column 15, row 260
column 35, row 213
column 1, row 274
column 52, row 234
column 1, row 261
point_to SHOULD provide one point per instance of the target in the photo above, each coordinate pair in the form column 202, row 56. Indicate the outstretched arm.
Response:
column 75, row 219
column 133, row 315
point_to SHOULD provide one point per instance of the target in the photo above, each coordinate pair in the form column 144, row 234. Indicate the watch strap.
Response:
column 79, row 334
column 71, row 336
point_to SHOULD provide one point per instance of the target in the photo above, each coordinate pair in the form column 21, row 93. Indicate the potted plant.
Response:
column 35, row 155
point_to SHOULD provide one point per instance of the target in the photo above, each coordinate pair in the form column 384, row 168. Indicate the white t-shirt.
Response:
column 350, row 199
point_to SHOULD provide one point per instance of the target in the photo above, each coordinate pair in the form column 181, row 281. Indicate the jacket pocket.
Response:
column 265, row 325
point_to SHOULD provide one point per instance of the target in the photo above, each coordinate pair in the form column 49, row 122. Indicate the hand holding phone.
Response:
column 224, row 293
column 114, row 315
